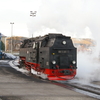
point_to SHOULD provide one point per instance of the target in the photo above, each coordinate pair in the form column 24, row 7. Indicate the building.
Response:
column 2, row 42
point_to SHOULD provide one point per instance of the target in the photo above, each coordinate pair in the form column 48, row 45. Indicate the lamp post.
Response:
column 33, row 14
column 0, row 42
column 11, row 35
column 0, row 48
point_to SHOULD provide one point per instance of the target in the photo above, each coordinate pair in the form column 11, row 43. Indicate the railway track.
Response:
column 91, row 90
column 90, row 87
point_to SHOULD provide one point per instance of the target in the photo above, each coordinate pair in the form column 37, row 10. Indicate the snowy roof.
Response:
column 2, row 35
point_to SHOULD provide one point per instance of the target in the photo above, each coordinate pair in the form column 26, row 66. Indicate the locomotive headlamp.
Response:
column 53, row 62
column 53, row 53
column 64, row 42
column 73, row 62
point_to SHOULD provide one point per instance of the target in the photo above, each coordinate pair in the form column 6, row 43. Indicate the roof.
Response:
column 83, row 41
column 1, row 35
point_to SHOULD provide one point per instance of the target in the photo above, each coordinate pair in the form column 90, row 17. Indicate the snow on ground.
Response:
column 13, row 62
column 9, row 55
column 4, row 61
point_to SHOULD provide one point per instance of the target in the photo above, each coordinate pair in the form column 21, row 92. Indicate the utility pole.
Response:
column 11, row 35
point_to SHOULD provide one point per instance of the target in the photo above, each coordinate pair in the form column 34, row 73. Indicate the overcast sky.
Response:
column 76, row 18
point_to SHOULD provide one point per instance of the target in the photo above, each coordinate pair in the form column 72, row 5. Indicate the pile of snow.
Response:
column 14, row 64
column 8, row 56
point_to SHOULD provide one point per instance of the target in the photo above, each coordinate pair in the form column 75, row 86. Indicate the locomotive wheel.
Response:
column 22, row 64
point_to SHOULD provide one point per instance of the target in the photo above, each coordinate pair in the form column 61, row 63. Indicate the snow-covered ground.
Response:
column 13, row 61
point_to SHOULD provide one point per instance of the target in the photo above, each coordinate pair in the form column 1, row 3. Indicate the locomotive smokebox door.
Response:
column 64, row 61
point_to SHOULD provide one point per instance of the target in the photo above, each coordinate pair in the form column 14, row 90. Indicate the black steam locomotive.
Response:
column 52, row 56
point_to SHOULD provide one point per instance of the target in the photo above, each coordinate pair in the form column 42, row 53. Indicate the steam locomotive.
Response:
column 52, row 56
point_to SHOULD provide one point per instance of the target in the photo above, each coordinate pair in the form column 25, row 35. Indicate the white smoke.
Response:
column 88, row 67
column 70, row 17
column 75, row 18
